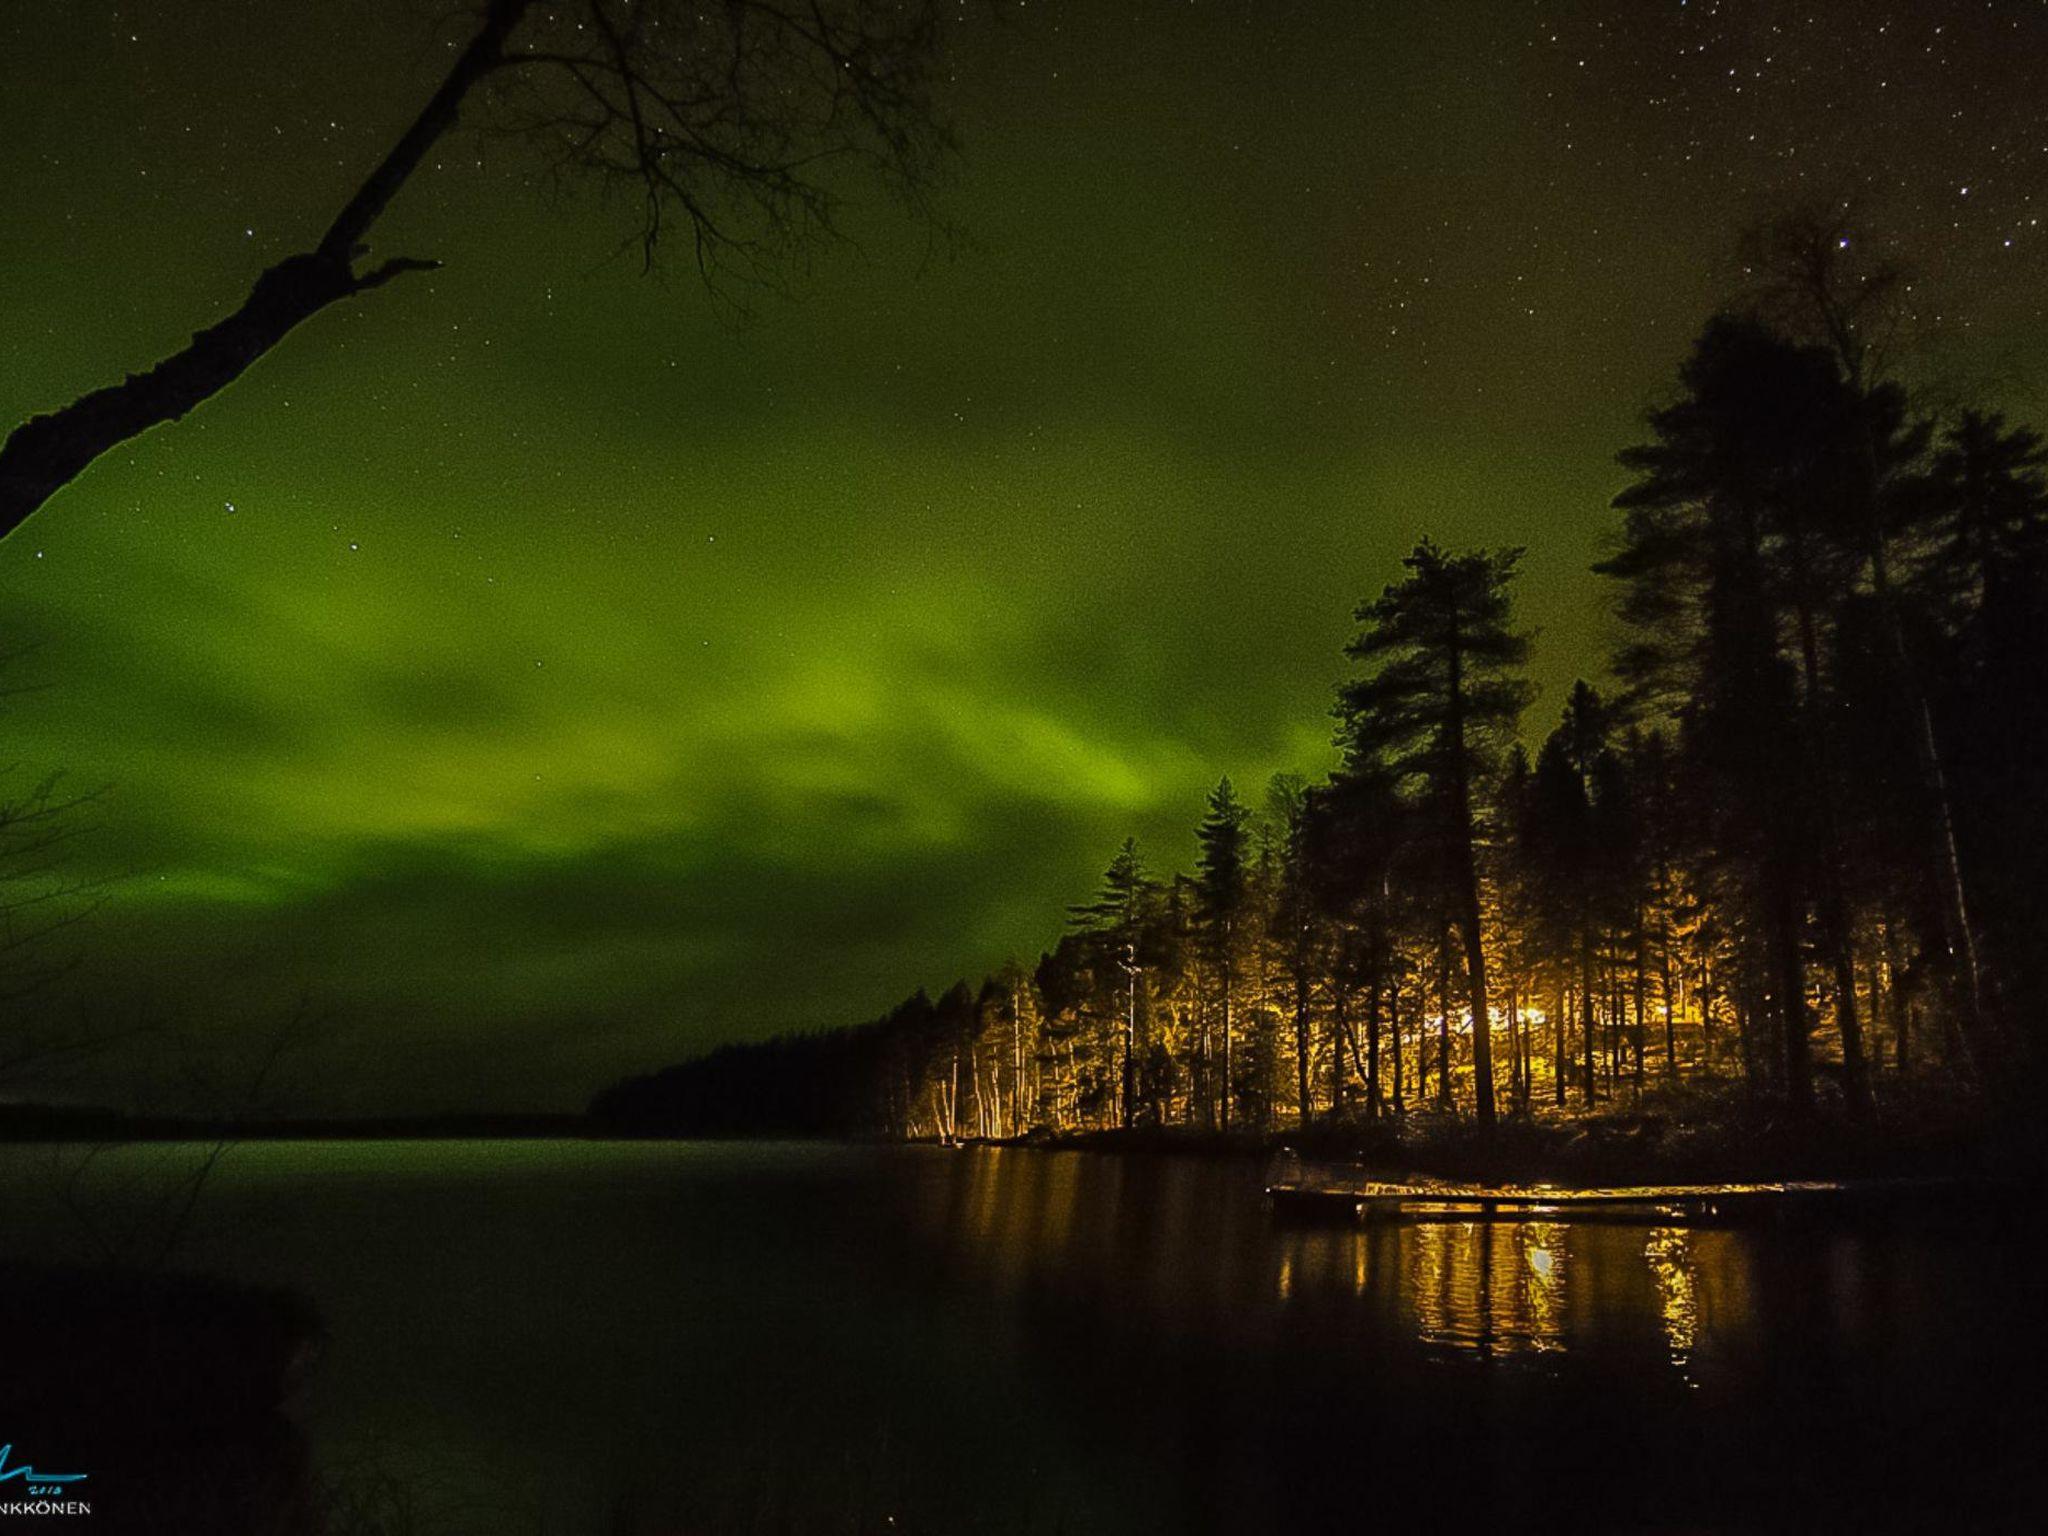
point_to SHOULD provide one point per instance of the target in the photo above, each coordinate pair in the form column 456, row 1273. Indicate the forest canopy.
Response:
column 1789, row 854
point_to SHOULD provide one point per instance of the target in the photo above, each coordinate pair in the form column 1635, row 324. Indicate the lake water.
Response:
column 570, row 1337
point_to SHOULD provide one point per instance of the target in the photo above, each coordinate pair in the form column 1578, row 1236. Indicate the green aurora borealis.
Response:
column 549, row 676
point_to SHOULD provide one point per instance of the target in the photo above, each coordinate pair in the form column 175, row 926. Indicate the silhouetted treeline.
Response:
column 1796, row 852
column 33, row 1122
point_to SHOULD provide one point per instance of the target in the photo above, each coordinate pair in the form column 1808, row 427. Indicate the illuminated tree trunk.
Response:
column 1223, row 1117
column 1394, row 1020
column 1558, row 1014
column 1707, row 1002
column 1528, row 1052
column 1789, row 976
column 974, row 1084
column 1372, row 1047
column 1514, row 1043
column 1339, row 1030
column 1301, row 1046
column 1128, row 1092
column 1641, row 1002
column 1664, row 990
column 1586, row 1015
column 1443, row 1019
column 1445, row 677
column 1617, row 1026
column 1383, row 1010
column 1745, row 1037
column 1901, row 1014
column 1468, row 893
column 1016, row 1067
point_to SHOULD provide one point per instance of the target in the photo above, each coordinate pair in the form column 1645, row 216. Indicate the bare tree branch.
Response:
column 745, row 119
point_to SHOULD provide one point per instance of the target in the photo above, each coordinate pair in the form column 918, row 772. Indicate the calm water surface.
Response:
column 560, row 1336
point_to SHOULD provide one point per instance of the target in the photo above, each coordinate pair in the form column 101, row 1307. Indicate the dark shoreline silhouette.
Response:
column 95, row 1123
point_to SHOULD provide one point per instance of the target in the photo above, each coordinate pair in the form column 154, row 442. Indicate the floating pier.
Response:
column 1303, row 1196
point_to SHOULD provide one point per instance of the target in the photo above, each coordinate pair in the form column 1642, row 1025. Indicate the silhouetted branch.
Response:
column 727, row 116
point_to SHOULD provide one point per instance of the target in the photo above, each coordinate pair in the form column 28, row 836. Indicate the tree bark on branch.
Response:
column 46, row 452
column 726, row 115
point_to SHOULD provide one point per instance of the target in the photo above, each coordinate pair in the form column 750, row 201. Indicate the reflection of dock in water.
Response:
column 1304, row 1192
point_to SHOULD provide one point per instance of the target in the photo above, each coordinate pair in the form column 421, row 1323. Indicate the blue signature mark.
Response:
column 29, row 1474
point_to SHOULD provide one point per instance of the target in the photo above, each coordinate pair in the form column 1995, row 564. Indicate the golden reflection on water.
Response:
column 1490, row 1287
column 1669, row 1251
column 1542, row 1248
column 1173, row 1246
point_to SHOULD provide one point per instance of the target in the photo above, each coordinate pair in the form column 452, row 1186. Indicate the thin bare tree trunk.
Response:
column 1301, row 1046
column 1223, row 1122
column 1394, row 1018
column 1372, row 1047
column 1338, row 1031
column 1637, row 1040
column 1443, row 1020
column 1558, row 1015
column 1665, row 983
column 1586, row 1014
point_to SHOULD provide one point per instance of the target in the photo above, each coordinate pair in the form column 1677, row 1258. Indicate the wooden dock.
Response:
column 1336, row 1200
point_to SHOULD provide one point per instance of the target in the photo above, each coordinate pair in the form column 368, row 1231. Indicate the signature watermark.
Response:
column 27, row 1490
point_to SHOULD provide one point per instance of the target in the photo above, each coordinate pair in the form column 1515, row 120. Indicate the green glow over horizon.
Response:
column 552, row 677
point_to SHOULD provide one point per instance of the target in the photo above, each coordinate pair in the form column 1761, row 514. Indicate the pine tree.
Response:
column 1220, row 886
column 1116, row 919
column 1296, row 933
column 1985, row 576
column 1564, row 854
column 1726, row 569
column 1440, row 695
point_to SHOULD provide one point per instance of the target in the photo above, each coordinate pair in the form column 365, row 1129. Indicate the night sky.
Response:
column 548, row 672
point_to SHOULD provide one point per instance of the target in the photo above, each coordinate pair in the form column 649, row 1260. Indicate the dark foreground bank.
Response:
column 149, row 1402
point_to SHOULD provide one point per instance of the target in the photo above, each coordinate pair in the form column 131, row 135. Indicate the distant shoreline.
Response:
column 32, row 1123
column 1622, row 1147
column 1625, row 1148
column 1605, row 1153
